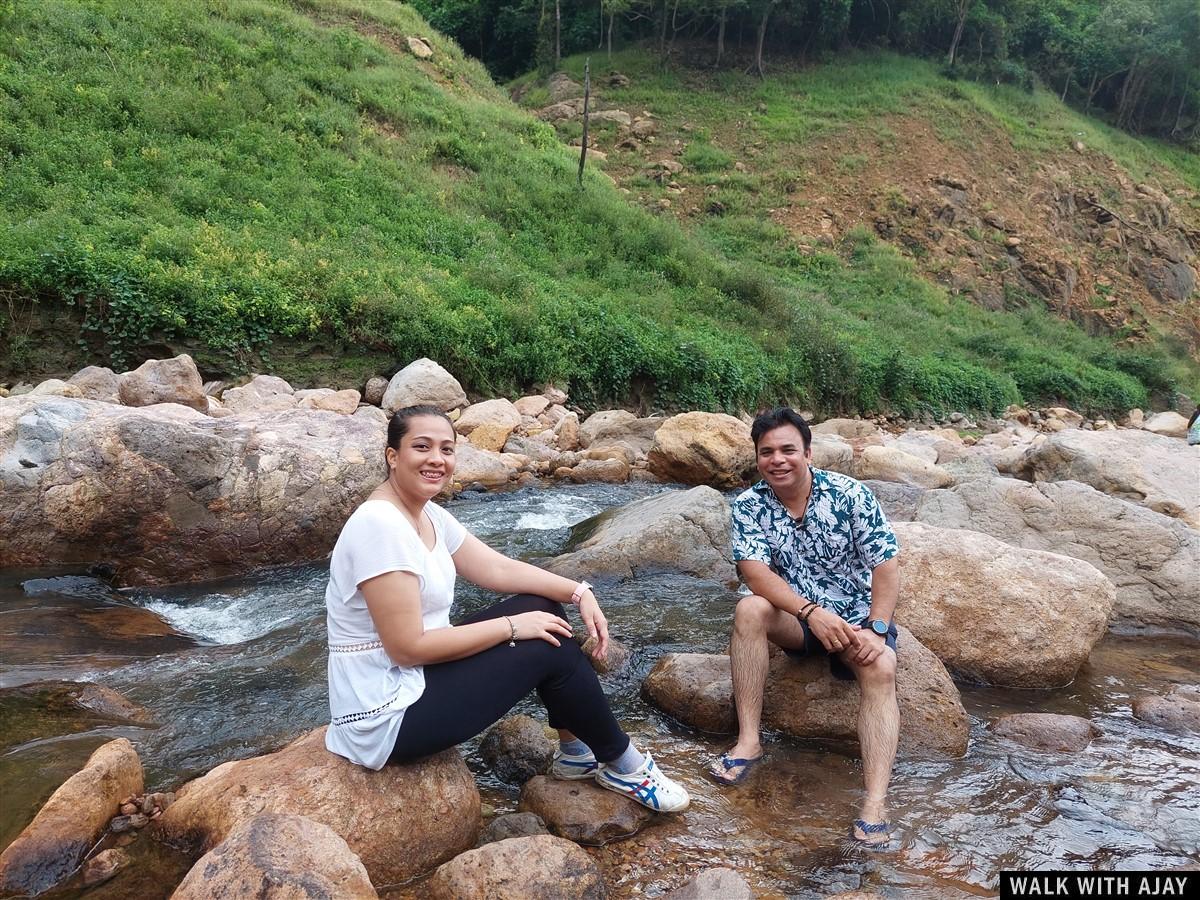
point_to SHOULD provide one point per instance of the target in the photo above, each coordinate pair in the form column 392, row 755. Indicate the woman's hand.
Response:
column 833, row 631
column 594, row 622
column 543, row 625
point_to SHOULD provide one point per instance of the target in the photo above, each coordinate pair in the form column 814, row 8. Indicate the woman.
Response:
column 405, row 683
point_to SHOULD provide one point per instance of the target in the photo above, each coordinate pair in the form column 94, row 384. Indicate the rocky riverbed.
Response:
column 1078, row 529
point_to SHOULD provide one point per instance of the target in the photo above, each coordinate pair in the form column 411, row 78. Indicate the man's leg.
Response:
column 756, row 624
column 878, row 733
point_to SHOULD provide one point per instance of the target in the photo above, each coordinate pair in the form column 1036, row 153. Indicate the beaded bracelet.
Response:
column 512, row 640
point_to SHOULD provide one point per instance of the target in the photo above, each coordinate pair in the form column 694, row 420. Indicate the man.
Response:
column 821, row 562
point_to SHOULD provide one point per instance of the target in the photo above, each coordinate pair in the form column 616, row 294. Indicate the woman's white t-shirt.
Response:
column 368, row 693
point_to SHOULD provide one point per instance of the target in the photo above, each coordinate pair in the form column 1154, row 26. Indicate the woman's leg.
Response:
column 465, row 696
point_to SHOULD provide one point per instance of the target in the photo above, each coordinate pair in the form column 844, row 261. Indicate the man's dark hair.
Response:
column 777, row 418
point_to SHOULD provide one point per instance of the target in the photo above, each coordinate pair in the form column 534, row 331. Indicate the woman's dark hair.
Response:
column 776, row 418
column 398, row 424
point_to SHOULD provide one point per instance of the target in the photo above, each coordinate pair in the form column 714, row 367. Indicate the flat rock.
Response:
column 719, row 882
column 71, row 821
column 263, row 393
column 431, row 808
column 1151, row 558
column 860, row 432
column 1043, row 611
column 166, row 494
column 1046, row 731
column 1148, row 469
column 164, row 381
column 804, row 700
column 1168, row 424
column 278, row 857
column 516, row 748
column 606, row 471
column 894, row 464
column 540, row 867
column 675, row 531
column 423, row 381
column 582, row 811
column 344, row 402
column 511, row 825
column 703, row 448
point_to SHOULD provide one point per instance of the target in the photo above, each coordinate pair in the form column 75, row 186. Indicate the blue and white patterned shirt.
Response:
column 827, row 557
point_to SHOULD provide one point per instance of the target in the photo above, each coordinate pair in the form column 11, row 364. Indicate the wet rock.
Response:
column 482, row 467
column 516, row 748
column 1178, row 710
column 1168, row 424
column 164, row 381
column 103, row 866
column 804, row 700
column 1046, row 731
column 615, row 659
column 263, row 393
column 165, row 494
column 344, row 402
column 488, row 424
column 832, row 453
column 374, row 390
column 675, row 531
column 702, row 448
column 899, row 501
column 1154, row 471
column 1044, row 612
column 71, row 821
column 892, row 464
column 617, row 425
column 431, row 808
column 423, row 382
column 97, row 383
column 582, row 811
column 513, row 825
column 278, row 857
column 540, row 867
column 712, row 883
column 45, row 708
column 1149, row 557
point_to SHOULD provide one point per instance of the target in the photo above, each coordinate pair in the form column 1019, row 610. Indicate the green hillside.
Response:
column 286, row 187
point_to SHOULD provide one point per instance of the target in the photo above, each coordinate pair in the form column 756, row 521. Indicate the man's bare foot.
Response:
column 735, row 764
column 873, row 813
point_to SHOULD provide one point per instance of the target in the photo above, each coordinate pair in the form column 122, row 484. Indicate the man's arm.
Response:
column 831, row 629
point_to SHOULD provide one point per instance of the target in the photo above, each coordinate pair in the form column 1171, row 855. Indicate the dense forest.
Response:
column 1134, row 61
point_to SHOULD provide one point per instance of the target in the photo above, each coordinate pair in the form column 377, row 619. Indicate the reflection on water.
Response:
column 234, row 669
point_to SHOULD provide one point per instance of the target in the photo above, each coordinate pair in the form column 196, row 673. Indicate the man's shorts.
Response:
column 814, row 647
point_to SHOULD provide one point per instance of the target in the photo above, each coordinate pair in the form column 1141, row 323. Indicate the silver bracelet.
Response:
column 512, row 640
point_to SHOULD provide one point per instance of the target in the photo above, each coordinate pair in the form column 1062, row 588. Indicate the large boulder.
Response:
column 675, row 531
column 703, row 448
column 1152, row 559
column 833, row 453
column 860, row 430
column 488, row 424
column 278, row 857
column 164, row 381
column 263, row 393
column 540, row 867
column 999, row 614
column 894, row 464
column 1168, row 424
column 430, row 808
column 899, row 501
column 473, row 466
column 344, row 401
column 166, row 494
column 804, row 700
column 582, row 811
column 97, row 383
column 423, row 382
column 1155, row 471
column 72, row 820
column 613, row 426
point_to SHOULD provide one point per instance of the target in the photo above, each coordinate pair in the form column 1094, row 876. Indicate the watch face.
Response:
column 879, row 627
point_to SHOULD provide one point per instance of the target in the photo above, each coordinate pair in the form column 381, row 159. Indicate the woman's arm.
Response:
column 480, row 564
column 394, row 602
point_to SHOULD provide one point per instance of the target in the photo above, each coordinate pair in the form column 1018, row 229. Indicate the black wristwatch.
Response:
column 878, row 626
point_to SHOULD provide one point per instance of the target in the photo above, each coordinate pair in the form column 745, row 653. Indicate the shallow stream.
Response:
column 237, row 668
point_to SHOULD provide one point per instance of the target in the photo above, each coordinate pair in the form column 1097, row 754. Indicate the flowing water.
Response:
column 236, row 668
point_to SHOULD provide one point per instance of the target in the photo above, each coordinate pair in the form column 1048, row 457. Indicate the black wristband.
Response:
column 803, row 612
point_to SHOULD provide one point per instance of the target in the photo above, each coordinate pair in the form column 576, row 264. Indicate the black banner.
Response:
column 1099, row 884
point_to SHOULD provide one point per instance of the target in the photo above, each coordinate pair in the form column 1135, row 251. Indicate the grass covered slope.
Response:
column 243, row 177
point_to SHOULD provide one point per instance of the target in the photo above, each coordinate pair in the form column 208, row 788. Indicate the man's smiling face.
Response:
column 782, row 457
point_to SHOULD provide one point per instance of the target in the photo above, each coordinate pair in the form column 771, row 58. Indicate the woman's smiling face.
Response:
column 425, row 461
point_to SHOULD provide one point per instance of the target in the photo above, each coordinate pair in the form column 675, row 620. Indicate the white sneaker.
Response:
column 573, row 768
column 648, row 786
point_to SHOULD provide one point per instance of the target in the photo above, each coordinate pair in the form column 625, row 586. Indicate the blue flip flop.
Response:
column 871, row 828
column 726, row 763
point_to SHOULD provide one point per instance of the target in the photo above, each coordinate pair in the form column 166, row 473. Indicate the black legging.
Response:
column 465, row 696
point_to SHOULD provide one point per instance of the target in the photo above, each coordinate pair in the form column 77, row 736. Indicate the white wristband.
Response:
column 579, row 589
